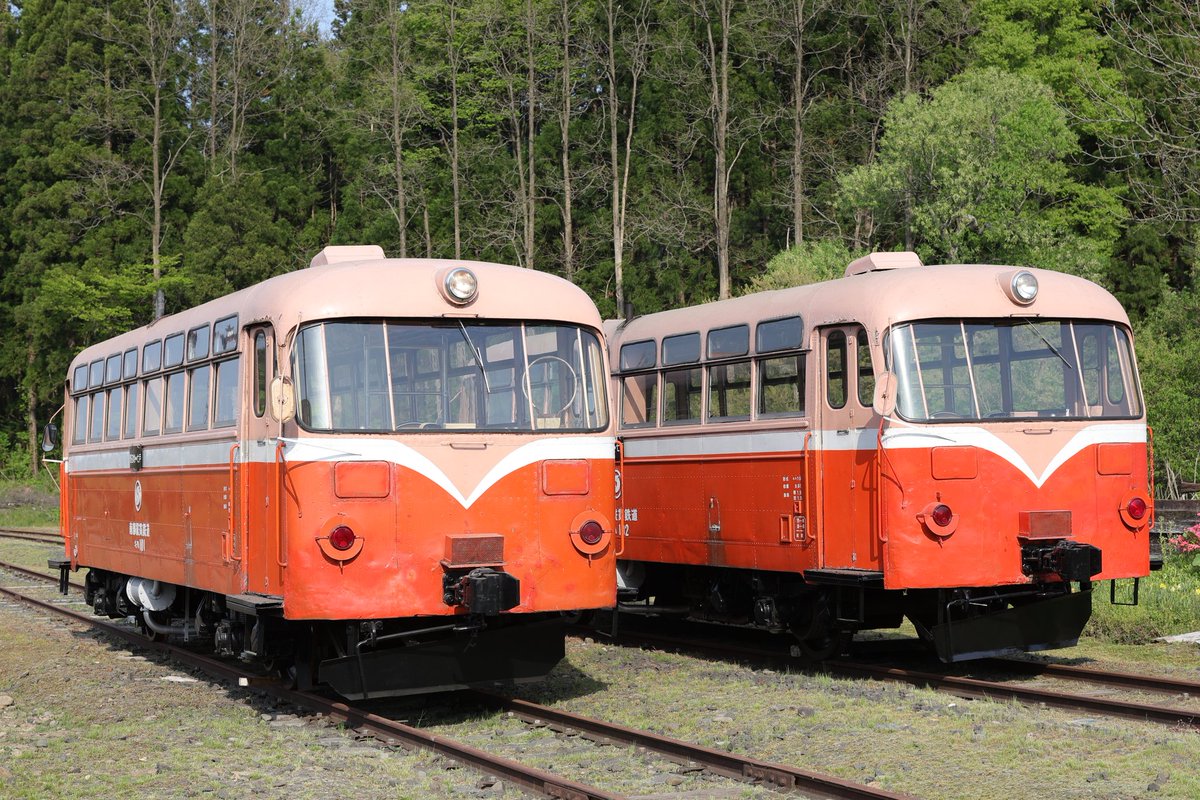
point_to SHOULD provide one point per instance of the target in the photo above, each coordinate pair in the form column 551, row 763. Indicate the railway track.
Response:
column 730, row 765
column 31, row 535
column 975, row 688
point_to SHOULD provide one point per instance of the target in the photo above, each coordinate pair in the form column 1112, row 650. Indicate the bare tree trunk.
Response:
column 398, row 131
column 620, row 161
column 428, row 236
column 719, row 86
column 214, row 80
column 565, row 127
column 453, row 58
column 31, row 405
column 531, row 105
column 158, row 179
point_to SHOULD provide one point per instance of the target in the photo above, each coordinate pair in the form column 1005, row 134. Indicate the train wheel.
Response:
column 821, row 646
column 816, row 636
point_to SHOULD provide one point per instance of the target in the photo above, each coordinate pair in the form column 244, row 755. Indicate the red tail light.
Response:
column 1136, row 508
column 941, row 515
column 342, row 538
column 591, row 533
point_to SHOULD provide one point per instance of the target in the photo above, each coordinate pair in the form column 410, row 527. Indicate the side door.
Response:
column 258, row 500
column 846, row 443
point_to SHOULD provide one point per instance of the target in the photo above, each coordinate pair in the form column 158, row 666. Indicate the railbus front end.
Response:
column 955, row 444
column 387, row 476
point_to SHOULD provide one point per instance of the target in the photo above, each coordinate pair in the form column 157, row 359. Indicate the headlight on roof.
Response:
column 1022, row 287
column 460, row 286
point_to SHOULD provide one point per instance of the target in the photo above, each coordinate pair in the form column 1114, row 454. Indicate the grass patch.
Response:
column 31, row 503
column 1168, row 603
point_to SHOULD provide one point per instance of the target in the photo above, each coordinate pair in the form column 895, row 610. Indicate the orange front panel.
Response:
column 984, row 548
column 399, row 570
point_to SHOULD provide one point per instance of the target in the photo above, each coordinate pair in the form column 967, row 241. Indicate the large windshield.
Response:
column 402, row 376
column 1013, row 369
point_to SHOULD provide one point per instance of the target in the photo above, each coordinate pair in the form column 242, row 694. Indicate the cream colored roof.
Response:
column 374, row 288
column 880, row 299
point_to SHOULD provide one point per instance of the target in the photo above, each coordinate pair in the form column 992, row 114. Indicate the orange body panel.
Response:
column 753, row 511
column 183, row 534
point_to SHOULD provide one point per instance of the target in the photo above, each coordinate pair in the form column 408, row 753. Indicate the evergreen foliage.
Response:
column 169, row 151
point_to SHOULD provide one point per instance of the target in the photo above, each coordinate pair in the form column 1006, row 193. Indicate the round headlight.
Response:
column 461, row 285
column 1024, row 287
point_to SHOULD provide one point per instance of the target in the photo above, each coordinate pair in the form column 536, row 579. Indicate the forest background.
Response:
column 159, row 153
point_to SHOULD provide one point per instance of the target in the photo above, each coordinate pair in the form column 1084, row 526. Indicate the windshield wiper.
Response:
column 1053, row 349
column 487, row 390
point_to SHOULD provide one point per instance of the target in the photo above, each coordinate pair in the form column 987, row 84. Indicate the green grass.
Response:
column 28, row 503
column 1168, row 603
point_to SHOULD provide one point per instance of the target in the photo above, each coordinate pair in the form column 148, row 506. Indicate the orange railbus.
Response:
column 962, row 445
column 384, row 475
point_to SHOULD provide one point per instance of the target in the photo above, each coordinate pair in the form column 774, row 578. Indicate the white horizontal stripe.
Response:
column 354, row 449
column 899, row 437
column 582, row 447
column 984, row 439
column 716, row 444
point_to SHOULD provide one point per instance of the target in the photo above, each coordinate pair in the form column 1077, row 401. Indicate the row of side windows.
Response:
column 778, row 382
column 195, row 399
column 768, row 385
column 187, row 380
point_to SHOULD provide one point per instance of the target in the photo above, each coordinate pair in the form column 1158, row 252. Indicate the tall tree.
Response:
column 979, row 173
column 147, row 86
column 626, row 56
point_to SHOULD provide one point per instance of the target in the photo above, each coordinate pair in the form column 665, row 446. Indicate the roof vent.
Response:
column 877, row 262
column 357, row 252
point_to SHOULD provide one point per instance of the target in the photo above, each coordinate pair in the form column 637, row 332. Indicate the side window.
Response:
column 198, row 380
column 729, row 391
column 131, row 410
column 173, row 356
column 173, row 405
column 781, row 386
column 225, row 405
column 639, row 400
column 115, row 406
column 835, row 369
column 152, row 417
column 866, row 373
column 681, row 395
column 637, row 355
column 79, row 433
column 96, row 427
column 260, row 374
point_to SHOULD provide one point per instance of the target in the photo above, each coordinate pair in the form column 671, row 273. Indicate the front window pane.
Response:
column 1013, row 370
column 381, row 376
